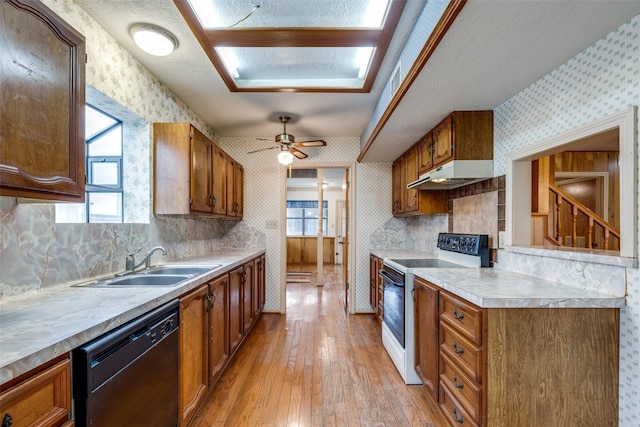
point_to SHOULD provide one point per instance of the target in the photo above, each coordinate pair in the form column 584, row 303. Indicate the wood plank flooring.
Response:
column 314, row 366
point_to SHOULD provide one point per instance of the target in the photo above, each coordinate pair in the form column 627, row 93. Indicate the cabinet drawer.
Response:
column 462, row 352
column 452, row 410
column 41, row 400
column 462, row 388
column 465, row 317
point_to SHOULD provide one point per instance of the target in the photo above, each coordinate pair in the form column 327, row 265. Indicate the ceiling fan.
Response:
column 287, row 144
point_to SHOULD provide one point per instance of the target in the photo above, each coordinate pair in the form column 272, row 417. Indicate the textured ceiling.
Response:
column 493, row 50
column 290, row 13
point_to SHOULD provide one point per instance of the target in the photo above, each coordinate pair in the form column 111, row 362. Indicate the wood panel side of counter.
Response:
column 553, row 367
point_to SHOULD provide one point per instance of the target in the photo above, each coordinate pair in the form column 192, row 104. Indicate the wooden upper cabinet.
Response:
column 397, row 198
column 443, row 142
column 192, row 175
column 42, row 66
column 410, row 175
column 235, row 183
column 201, row 178
column 425, row 153
column 409, row 201
column 219, row 181
column 463, row 135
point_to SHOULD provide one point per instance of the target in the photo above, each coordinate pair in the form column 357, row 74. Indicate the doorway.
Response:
column 314, row 237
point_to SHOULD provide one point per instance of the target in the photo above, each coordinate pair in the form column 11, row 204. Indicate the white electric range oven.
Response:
column 454, row 251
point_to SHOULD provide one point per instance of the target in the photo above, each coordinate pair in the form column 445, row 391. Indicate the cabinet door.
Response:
column 43, row 399
column 258, row 288
column 425, row 154
column 410, row 175
column 231, row 166
column 373, row 272
column 238, row 190
column 201, row 162
column 427, row 340
column 42, row 149
column 236, row 329
column 218, row 326
column 247, row 296
column 219, row 181
column 443, row 142
column 194, row 331
column 397, row 193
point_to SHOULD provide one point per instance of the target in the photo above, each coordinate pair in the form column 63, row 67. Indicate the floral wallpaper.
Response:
column 37, row 253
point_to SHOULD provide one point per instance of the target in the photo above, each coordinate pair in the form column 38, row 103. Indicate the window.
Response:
column 302, row 217
column 104, row 189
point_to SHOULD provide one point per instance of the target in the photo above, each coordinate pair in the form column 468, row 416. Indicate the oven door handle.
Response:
column 388, row 278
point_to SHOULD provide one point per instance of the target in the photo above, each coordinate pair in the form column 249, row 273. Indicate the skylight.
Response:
column 294, row 45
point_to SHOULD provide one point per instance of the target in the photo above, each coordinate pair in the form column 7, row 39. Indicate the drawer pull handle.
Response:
column 457, row 417
column 460, row 384
column 456, row 349
column 456, row 315
column 7, row 421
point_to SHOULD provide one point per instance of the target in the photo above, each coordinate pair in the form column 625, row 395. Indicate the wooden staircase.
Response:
column 547, row 227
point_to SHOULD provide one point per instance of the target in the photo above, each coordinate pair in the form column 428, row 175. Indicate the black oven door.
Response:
column 393, row 298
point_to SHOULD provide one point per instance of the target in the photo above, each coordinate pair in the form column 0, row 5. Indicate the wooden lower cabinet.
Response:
column 236, row 324
column 218, row 327
column 194, row 338
column 247, row 296
column 376, row 293
column 426, row 319
column 258, row 291
column 516, row 366
column 41, row 399
column 212, row 328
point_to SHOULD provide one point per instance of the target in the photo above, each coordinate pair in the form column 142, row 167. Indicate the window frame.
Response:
column 313, row 204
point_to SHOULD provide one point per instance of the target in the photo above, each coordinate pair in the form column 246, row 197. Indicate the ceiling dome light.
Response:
column 285, row 158
column 153, row 39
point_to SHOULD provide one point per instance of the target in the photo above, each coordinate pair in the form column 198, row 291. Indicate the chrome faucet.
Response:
column 130, row 261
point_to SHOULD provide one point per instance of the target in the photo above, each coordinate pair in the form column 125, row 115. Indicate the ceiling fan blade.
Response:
column 265, row 139
column 262, row 149
column 313, row 143
column 299, row 154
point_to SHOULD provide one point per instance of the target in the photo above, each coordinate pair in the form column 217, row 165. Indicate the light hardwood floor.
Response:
column 314, row 366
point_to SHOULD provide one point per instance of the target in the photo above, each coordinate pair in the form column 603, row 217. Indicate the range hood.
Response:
column 454, row 174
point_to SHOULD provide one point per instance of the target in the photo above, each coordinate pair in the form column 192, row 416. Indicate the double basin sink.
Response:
column 163, row 275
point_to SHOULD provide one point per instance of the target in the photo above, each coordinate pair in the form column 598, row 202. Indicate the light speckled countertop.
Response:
column 492, row 288
column 40, row 326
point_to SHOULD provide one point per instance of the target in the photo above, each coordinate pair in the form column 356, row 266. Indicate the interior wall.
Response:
column 371, row 194
column 37, row 253
column 600, row 81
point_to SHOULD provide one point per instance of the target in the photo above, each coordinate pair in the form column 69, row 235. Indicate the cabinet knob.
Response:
column 7, row 421
column 456, row 349
column 456, row 315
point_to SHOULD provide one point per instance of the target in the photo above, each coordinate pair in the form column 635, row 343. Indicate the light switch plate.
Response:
column 271, row 224
column 501, row 236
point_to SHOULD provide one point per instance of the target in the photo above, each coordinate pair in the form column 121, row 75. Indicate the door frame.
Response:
column 284, row 171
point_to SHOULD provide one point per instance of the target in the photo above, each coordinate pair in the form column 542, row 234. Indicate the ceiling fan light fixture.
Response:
column 285, row 158
column 153, row 39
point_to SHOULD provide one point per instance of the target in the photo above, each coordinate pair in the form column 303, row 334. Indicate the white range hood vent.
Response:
column 454, row 174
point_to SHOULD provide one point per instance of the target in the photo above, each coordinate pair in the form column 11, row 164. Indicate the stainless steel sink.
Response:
column 140, row 280
column 192, row 270
column 162, row 275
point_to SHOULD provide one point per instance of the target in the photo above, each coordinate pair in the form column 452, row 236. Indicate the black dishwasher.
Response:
column 129, row 376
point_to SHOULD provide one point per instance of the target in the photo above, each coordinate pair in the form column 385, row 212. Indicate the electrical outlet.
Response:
column 271, row 224
column 501, row 236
